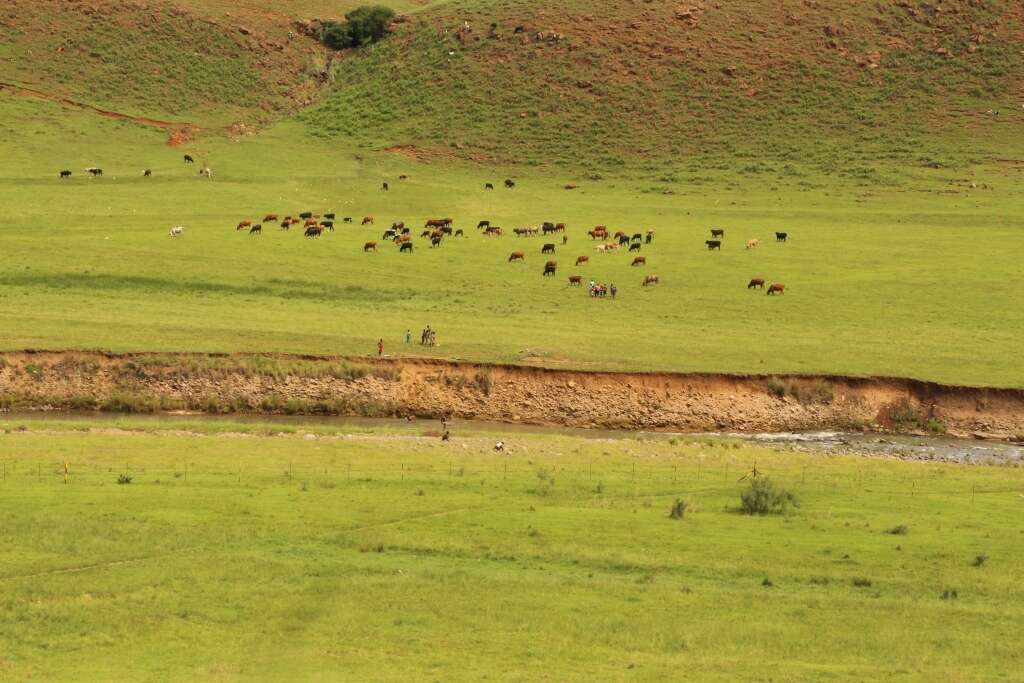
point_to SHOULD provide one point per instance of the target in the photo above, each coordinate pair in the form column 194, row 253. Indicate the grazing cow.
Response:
column 550, row 267
column 488, row 186
column 755, row 283
column 571, row 186
column 314, row 231
column 483, row 224
column 639, row 261
column 776, row 288
column 389, row 235
column 781, row 236
column 403, row 177
column 547, row 227
column 405, row 231
column 717, row 232
column 256, row 229
column 624, row 240
column 347, row 219
column 309, row 222
column 189, row 159
column 446, row 230
column 399, row 239
column 516, row 256
column 270, row 218
column 177, row 230
column 582, row 259
column 459, row 233
column 597, row 234
column 509, row 183
column 637, row 237
column 635, row 246
column 405, row 247
column 560, row 227
column 286, row 224
column 650, row 237
column 492, row 231
column 147, row 173
column 367, row 220
column 438, row 223
column 425, row 234
column 398, row 225
column 575, row 280
column 243, row 225
column 435, row 241
column 650, row 280
column 306, row 215
column 329, row 216
column 65, row 174
column 548, row 249
column 619, row 234
column 713, row 244
column 94, row 172
column 753, row 243
column 384, row 186
column 370, row 246
column 204, row 171
column 295, row 221
column 327, row 224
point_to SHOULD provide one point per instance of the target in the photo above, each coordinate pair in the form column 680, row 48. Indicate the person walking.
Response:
column 380, row 347
column 613, row 290
column 408, row 336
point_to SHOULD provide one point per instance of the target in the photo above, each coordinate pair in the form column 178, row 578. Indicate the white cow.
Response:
column 177, row 230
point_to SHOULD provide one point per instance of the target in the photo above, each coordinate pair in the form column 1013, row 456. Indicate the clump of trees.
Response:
column 362, row 26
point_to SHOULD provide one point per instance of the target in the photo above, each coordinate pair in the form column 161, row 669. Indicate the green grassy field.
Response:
column 914, row 278
column 243, row 551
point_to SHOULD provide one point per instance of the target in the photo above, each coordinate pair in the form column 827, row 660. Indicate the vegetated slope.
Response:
column 162, row 58
column 609, row 83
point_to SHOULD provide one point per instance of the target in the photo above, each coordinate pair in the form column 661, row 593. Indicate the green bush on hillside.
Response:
column 763, row 498
column 363, row 25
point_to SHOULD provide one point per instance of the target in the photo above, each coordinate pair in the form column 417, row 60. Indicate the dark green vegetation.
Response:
column 362, row 26
column 284, row 552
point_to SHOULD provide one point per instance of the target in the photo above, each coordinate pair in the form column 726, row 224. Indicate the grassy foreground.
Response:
column 303, row 553
column 913, row 278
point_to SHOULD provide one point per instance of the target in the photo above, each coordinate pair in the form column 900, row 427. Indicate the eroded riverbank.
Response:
column 277, row 384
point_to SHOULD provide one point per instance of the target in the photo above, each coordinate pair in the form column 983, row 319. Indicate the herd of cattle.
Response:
column 437, row 230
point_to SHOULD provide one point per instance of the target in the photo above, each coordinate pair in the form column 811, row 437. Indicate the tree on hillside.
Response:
column 363, row 25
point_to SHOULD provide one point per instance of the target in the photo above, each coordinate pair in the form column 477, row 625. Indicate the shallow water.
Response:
column 942, row 449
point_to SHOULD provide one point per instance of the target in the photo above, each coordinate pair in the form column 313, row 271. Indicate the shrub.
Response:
column 764, row 498
column 124, row 479
column 861, row 582
column 678, row 510
column 363, row 26
column 484, row 382
column 899, row 530
column 776, row 388
column 935, row 426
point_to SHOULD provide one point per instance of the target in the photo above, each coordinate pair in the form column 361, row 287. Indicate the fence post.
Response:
column 974, row 490
column 699, row 463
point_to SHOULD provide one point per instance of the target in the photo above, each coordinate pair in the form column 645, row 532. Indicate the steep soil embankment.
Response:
column 432, row 388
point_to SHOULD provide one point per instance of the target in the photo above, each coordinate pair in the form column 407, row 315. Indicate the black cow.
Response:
column 189, row 159
column 256, row 229
column 147, row 173
column 624, row 239
column 548, row 228
column 286, row 224
column 459, row 233
column 781, row 236
column 717, row 232
column 483, row 224
column 347, row 219
column 329, row 216
column 637, row 237
column 65, row 174
column 635, row 246
column 435, row 242
column 406, row 246
column 306, row 215
column 388, row 235
column 384, row 186
column 488, row 186
column 327, row 224
column 713, row 244
column 509, row 183
column 548, row 249
column 95, row 172
column 550, row 268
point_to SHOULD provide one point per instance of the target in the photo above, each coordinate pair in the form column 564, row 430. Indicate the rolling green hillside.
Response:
column 763, row 85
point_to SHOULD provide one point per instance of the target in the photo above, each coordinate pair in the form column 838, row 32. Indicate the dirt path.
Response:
column 281, row 384
column 178, row 129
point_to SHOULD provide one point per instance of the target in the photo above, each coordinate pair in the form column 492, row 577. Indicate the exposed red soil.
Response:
column 434, row 388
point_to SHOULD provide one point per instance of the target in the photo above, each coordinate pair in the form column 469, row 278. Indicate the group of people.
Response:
column 428, row 337
column 601, row 289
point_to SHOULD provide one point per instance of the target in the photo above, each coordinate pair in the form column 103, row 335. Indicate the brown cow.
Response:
column 243, row 225
column 398, row 226
column 550, row 267
column 639, row 261
column 438, row 223
column 777, row 288
column 650, row 280
column 597, row 234
column 311, row 221
column 753, row 243
column 367, row 220
column 619, row 235
column 270, row 218
column 755, row 283
column 582, row 259
column 575, row 280
column 370, row 246
column 516, row 256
